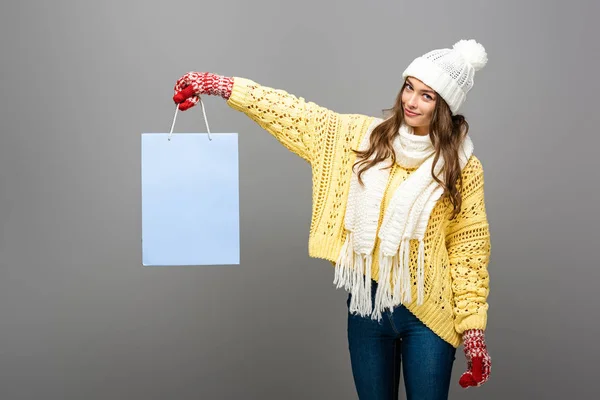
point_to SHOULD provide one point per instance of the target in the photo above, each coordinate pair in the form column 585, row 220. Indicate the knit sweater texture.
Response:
column 457, row 251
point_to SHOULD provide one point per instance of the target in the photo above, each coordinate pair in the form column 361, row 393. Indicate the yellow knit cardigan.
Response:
column 456, row 251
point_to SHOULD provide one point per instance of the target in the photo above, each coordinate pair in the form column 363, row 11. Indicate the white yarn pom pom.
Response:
column 473, row 52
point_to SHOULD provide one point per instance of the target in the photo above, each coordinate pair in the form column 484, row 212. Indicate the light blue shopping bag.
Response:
column 190, row 198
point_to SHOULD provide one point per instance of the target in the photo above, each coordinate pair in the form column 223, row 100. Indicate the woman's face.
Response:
column 419, row 99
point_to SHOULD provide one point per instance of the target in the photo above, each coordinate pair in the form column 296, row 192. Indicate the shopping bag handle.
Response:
column 203, row 112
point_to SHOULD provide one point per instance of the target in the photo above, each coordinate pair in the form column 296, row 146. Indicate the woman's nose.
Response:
column 412, row 101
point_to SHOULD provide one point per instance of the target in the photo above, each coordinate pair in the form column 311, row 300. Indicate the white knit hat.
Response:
column 450, row 72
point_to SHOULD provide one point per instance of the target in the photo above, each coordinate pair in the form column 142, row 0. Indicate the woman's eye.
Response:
column 428, row 97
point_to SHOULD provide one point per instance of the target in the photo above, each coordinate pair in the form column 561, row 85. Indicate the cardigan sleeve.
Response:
column 294, row 121
column 468, row 244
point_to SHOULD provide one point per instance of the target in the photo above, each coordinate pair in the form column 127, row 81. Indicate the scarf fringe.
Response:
column 353, row 273
column 383, row 296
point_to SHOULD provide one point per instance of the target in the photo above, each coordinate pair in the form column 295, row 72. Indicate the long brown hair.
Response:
column 447, row 133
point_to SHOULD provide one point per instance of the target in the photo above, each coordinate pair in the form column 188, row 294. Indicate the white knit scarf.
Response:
column 405, row 218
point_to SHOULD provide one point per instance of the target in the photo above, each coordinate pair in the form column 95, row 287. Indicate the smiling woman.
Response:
column 395, row 228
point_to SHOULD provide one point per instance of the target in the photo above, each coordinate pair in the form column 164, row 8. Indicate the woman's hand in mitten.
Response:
column 479, row 362
column 192, row 85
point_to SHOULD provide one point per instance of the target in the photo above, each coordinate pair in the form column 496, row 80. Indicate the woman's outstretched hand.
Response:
column 192, row 85
column 479, row 362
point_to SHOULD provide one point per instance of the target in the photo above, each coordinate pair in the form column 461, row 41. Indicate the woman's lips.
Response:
column 410, row 114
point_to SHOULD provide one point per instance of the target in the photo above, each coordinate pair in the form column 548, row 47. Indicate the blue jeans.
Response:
column 377, row 349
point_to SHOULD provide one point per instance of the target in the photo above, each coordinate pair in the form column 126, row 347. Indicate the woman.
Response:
column 398, row 209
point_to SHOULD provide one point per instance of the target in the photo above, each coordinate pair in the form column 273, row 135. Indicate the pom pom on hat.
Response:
column 473, row 52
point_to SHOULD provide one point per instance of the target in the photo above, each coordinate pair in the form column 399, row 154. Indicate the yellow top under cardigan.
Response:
column 456, row 252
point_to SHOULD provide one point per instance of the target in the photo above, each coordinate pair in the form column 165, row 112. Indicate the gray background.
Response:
column 81, row 318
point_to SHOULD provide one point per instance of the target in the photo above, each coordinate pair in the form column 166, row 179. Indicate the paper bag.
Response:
column 190, row 199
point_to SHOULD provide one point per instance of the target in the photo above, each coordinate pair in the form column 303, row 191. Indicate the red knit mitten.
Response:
column 193, row 84
column 479, row 362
